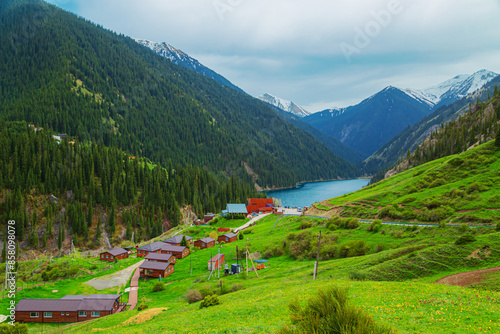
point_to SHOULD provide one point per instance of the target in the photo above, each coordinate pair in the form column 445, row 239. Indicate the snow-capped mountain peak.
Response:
column 285, row 105
column 452, row 89
column 181, row 58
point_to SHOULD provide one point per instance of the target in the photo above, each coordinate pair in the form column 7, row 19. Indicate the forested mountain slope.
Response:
column 67, row 74
column 57, row 191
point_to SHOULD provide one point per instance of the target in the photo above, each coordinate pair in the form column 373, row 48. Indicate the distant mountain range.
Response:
column 285, row 105
column 181, row 58
column 452, row 90
column 411, row 137
column 373, row 122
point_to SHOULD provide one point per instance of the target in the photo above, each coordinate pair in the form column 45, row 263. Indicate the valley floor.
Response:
column 393, row 282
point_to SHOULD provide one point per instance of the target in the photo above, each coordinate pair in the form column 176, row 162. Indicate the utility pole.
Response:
column 246, row 255
column 237, row 256
column 317, row 258
column 253, row 265
column 190, row 270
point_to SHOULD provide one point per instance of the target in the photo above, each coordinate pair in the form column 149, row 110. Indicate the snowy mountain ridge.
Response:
column 452, row 89
column 181, row 58
column 285, row 105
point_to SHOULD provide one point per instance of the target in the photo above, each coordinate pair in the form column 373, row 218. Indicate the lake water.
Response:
column 308, row 193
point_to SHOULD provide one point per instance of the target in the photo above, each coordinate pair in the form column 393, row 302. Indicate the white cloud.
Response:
column 291, row 47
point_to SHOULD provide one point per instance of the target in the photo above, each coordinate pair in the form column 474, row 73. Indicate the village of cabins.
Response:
column 160, row 258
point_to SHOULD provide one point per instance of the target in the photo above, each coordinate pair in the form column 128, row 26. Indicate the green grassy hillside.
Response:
column 405, row 298
column 462, row 188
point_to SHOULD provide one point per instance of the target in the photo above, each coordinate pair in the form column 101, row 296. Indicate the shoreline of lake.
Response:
column 307, row 193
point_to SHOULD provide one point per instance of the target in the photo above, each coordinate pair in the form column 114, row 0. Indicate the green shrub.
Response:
column 237, row 287
column 193, row 296
column 16, row 329
column 205, row 290
column 273, row 251
column 352, row 223
column 379, row 248
column 409, row 199
column 158, row 286
column 305, row 225
column 352, row 248
column 330, row 312
column 210, row 301
column 442, row 224
column 358, row 275
column 375, row 226
column 464, row 227
column 465, row 239
column 477, row 186
column 304, row 245
column 142, row 306
column 240, row 236
column 498, row 226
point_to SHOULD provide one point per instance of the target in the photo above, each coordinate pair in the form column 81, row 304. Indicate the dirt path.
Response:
column 134, row 286
column 116, row 279
column 250, row 222
column 467, row 278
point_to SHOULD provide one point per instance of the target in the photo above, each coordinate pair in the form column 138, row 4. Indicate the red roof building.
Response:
column 215, row 262
column 258, row 205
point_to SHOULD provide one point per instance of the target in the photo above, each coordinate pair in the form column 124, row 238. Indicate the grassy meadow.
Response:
column 462, row 188
column 392, row 281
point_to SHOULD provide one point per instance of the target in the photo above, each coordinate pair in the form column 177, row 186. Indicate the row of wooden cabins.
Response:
column 160, row 262
column 71, row 308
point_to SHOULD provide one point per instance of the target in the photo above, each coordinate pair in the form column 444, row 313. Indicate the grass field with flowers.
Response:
column 409, row 303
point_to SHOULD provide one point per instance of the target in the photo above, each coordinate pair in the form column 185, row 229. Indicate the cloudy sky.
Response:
column 318, row 53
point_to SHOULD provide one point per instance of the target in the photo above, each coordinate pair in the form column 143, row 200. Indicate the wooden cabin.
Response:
column 153, row 247
column 179, row 252
column 176, row 240
column 117, row 253
column 204, row 243
column 208, row 217
column 228, row 237
column 73, row 308
column 156, row 269
column 159, row 257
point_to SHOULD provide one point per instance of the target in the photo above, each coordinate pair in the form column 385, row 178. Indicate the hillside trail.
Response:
column 467, row 278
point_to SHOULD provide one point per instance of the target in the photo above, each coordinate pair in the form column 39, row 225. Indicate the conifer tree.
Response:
column 59, row 236
column 98, row 233
column 183, row 241
column 4, row 249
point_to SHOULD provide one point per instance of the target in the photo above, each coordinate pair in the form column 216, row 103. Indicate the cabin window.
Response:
column 62, row 313
column 111, row 256
column 47, row 314
column 106, row 256
column 96, row 314
column 203, row 244
column 67, row 314
column 82, row 314
column 227, row 239
column 34, row 315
